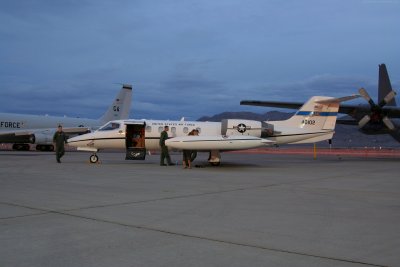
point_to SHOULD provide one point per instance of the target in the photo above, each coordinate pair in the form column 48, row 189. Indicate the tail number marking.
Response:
column 308, row 122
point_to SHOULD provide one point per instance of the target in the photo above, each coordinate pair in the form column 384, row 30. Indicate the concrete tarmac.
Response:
column 253, row 210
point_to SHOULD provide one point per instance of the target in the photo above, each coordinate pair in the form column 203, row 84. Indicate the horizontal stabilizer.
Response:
column 337, row 100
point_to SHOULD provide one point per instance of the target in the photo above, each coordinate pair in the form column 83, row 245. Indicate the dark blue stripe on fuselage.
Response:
column 111, row 138
column 315, row 113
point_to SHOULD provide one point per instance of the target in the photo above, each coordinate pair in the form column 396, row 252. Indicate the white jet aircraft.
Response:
column 22, row 129
column 314, row 122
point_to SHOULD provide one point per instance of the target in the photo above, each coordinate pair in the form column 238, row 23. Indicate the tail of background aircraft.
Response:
column 384, row 87
column 119, row 110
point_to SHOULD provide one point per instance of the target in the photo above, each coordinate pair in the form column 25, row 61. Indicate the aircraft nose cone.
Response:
column 73, row 139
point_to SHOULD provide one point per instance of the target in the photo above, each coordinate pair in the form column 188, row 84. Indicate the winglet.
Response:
column 127, row 86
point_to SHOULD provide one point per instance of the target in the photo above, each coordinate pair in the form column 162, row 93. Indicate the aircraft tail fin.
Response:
column 318, row 113
column 316, row 119
column 119, row 109
column 384, row 86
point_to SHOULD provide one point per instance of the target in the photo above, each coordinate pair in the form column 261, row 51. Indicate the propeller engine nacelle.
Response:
column 246, row 127
column 376, row 115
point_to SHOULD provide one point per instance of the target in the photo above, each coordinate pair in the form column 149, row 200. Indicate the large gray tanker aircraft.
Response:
column 371, row 118
column 23, row 129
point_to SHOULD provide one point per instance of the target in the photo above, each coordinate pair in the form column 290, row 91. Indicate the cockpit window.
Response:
column 109, row 126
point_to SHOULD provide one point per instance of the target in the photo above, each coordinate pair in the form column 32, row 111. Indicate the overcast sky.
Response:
column 190, row 58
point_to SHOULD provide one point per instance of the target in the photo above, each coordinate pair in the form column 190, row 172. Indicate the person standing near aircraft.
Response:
column 187, row 154
column 193, row 153
column 164, row 148
column 59, row 139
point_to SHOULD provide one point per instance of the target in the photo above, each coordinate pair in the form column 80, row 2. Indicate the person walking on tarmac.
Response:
column 164, row 148
column 59, row 139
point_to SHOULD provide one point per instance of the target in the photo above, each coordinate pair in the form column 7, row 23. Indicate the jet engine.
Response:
column 21, row 142
column 246, row 127
column 43, row 141
column 40, row 138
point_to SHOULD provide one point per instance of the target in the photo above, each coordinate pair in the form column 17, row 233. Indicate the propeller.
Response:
column 376, row 110
column 366, row 96
column 387, row 98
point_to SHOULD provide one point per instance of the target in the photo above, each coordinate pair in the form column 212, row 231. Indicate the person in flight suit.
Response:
column 59, row 139
column 164, row 148
column 187, row 154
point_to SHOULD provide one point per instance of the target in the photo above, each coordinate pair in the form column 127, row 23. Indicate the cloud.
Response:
column 188, row 58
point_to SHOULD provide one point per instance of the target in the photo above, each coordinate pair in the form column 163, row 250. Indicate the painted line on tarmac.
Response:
column 227, row 242
column 202, row 194
column 45, row 211
column 141, row 227
column 42, row 211
column 152, row 229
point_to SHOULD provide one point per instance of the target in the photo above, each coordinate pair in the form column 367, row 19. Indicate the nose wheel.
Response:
column 94, row 158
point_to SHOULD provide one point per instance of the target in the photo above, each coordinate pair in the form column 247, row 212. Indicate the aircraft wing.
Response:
column 274, row 104
column 393, row 112
column 38, row 135
column 347, row 122
column 218, row 142
column 67, row 130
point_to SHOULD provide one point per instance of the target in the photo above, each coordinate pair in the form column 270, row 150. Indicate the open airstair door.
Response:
column 135, row 140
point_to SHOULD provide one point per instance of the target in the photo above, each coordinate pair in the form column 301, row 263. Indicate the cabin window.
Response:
column 198, row 129
column 148, row 128
column 173, row 130
column 110, row 126
column 160, row 129
column 185, row 130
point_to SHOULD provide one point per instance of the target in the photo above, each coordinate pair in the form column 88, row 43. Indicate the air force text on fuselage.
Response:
column 11, row 124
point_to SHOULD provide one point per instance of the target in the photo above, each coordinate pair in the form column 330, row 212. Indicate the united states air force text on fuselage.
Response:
column 172, row 124
column 11, row 124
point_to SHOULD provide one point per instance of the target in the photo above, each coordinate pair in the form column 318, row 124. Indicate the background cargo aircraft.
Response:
column 22, row 129
column 314, row 122
column 381, row 118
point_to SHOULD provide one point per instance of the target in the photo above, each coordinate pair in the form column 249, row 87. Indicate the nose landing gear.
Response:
column 93, row 158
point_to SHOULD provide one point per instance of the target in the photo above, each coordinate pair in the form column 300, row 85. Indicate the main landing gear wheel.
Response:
column 45, row 147
column 94, row 158
column 214, row 158
column 21, row 147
